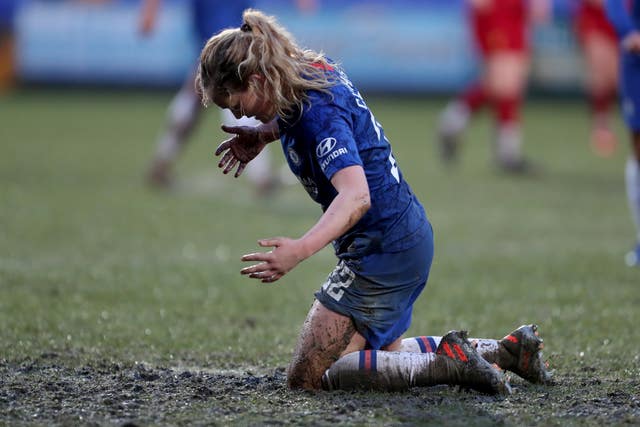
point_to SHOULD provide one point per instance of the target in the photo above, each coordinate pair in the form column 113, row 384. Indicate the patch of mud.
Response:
column 47, row 391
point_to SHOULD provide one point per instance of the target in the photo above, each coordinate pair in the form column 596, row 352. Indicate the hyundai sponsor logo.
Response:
column 334, row 154
column 325, row 146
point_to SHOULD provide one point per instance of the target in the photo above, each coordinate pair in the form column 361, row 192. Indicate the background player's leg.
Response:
column 455, row 118
column 182, row 116
column 506, row 81
column 601, row 57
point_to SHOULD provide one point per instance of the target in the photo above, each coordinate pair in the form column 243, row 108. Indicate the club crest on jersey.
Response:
column 325, row 146
column 295, row 159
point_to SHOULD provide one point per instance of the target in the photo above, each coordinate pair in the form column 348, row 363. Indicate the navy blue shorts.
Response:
column 378, row 292
column 630, row 90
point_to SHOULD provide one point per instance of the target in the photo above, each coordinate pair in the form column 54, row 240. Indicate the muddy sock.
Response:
column 390, row 371
column 421, row 344
column 487, row 348
column 519, row 352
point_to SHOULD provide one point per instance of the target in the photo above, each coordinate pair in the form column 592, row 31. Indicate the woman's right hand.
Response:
column 246, row 143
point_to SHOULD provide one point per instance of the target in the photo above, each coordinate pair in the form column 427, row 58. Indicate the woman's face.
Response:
column 249, row 102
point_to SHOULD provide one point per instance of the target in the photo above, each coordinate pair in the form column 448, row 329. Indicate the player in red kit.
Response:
column 600, row 50
column 501, row 33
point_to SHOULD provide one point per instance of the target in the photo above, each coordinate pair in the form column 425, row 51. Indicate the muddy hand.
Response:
column 240, row 149
column 273, row 264
column 228, row 160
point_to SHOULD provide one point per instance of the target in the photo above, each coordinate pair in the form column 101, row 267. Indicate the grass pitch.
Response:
column 101, row 278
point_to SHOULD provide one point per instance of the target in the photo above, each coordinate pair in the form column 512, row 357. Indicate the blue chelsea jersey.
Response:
column 336, row 130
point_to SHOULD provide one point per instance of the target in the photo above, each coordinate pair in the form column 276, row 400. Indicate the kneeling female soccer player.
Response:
column 379, row 229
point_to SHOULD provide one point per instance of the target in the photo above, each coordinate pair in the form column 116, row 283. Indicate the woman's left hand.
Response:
column 287, row 253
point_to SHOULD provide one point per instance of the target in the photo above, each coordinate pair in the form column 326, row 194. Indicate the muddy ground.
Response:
column 49, row 390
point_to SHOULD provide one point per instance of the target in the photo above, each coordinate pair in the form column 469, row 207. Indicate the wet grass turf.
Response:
column 119, row 304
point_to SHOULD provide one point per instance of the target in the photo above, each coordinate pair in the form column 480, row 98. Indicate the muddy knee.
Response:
column 301, row 374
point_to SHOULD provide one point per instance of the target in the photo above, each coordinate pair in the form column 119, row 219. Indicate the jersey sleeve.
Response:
column 620, row 17
column 329, row 127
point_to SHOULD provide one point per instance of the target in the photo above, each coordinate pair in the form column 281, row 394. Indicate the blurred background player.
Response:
column 209, row 17
column 599, row 47
column 625, row 17
column 501, row 32
column 7, row 62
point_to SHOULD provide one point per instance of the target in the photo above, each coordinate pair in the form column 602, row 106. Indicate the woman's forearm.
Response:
column 351, row 204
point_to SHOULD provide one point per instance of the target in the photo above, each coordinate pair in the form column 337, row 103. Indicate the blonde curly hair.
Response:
column 261, row 46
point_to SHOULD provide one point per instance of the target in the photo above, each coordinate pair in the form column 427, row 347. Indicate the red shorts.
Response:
column 591, row 19
column 501, row 27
